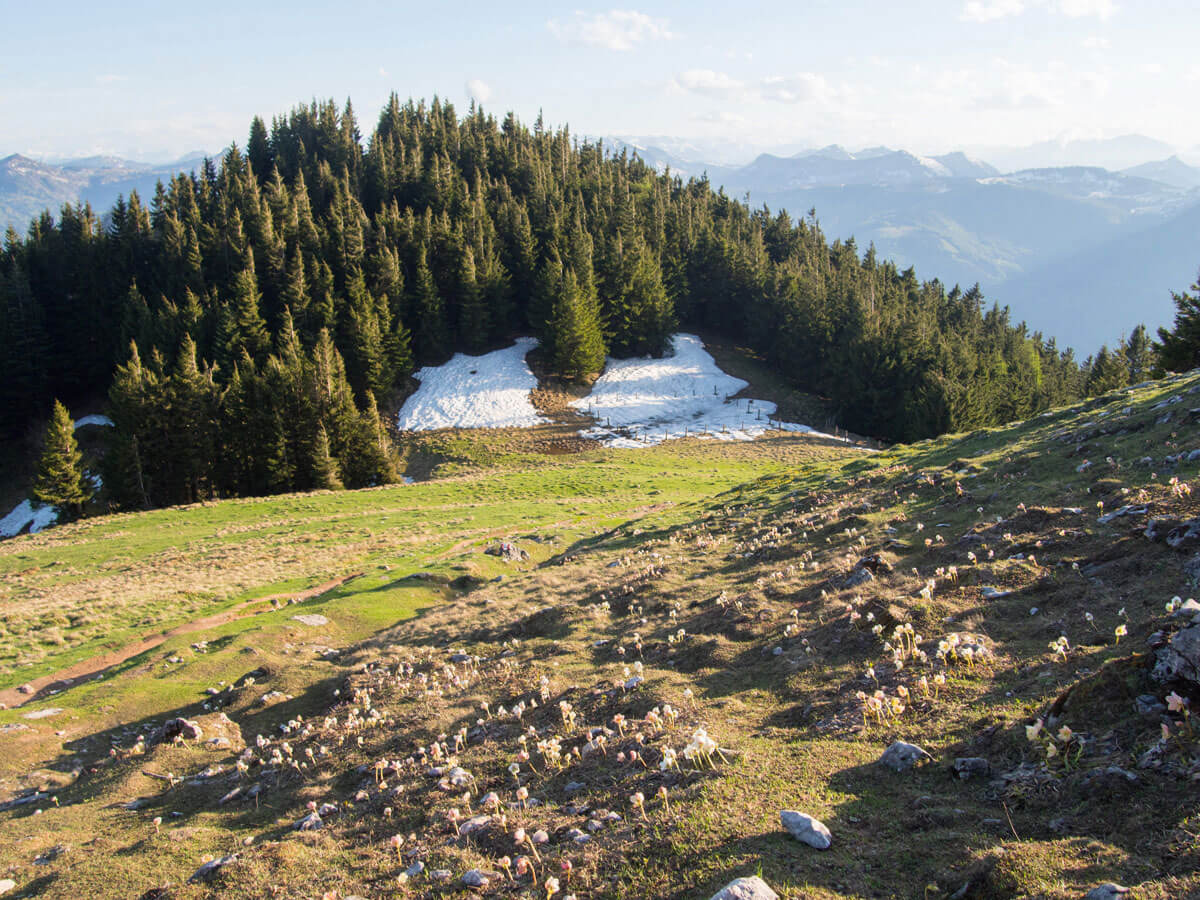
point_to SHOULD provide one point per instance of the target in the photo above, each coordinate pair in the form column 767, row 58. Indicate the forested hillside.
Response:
column 254, row 312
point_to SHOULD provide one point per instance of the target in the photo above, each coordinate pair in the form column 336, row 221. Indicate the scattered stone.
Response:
column 174, row 729
column 42, row 713
column 1180, row 658
column 441, row 875
column 415, row 869
column 751, row 888
column 805, row 828
column 211, row 867
column 858, row 577
column 992, row 593
column 572, row 786
column 1150, row 706
column 970, row 766
column 594, row 825
column 1107, row 891
column 578, row 836
column 477, row 879
column 874, row 563
column 314, row 619
column 1122, row 512
column 6, row 885
column 311, row 822
column 474, row 824
column 25, row 689
column 902, row 756
column 507, row 551
column 457, row 777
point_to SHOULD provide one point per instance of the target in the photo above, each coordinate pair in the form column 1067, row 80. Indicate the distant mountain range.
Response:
column 1083, row 253
column 27, row 187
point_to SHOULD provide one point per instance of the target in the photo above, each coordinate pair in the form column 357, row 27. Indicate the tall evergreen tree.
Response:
column 578, row 342
column 1179, row 348
column 60, row 480
column 1139, row 355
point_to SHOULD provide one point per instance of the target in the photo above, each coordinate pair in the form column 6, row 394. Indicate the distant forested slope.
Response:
column 249, row 315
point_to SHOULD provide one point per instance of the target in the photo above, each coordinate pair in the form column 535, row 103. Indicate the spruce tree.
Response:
column 578, row 343
column 1179, row 348
column 60, row 480
column 472, row 313
column 1139, row 355
column 324, row 466
column 433, row 338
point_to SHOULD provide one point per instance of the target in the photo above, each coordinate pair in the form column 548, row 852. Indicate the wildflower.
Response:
column 522, row 796
column 638, row 802
column 551, row 886
column 520, row 837
column 396, row 840
column 525, row 866
column 662, row 795
column 1120, row 632
column 1065, row 734
column 505, row 863
column 1032, row 731
column 157, row 823
column 1175, row 703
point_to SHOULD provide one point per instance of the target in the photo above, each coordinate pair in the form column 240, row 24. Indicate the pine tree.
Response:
column 472, row 314
column 1179, row 348
column 1139, row 355
column 60, row 480
column 1108, row 372
column 324, row 466
column 578, row 342
column 433, row 338
column 242, row 328
column 258, row 149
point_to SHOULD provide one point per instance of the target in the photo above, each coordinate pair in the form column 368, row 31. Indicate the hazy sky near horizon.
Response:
column 154, row 80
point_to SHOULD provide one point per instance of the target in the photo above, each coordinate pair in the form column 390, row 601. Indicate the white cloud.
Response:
column 709, row 83
column 990, row 10
column 801, row 87
column 479, row 91
column 1077, row 9
column 110, row 78
column 1153, row 68
column 617, row 29
column 383, row 73
column 1095, row 42
column 1008, row 86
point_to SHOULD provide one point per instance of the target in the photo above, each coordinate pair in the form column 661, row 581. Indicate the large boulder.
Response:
column 804, row 827
column 1179, row 660
column 901, row 756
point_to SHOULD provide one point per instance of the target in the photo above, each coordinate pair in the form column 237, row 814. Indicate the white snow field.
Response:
column 26, row 513
column 642, row 402
column 489, row 391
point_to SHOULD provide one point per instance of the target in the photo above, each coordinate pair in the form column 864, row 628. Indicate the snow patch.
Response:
column 489, row 391
column 642, row 402
column 25, row 514
column 93, row 420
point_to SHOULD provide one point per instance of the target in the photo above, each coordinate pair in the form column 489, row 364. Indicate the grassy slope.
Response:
column 659, row 535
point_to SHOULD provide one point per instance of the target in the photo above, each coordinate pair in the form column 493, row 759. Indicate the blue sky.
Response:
column 157, row 80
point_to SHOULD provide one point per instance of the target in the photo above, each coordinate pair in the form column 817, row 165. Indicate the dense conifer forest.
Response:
column 251, row 317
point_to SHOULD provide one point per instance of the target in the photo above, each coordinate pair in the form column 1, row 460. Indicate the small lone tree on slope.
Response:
column 60, row 481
